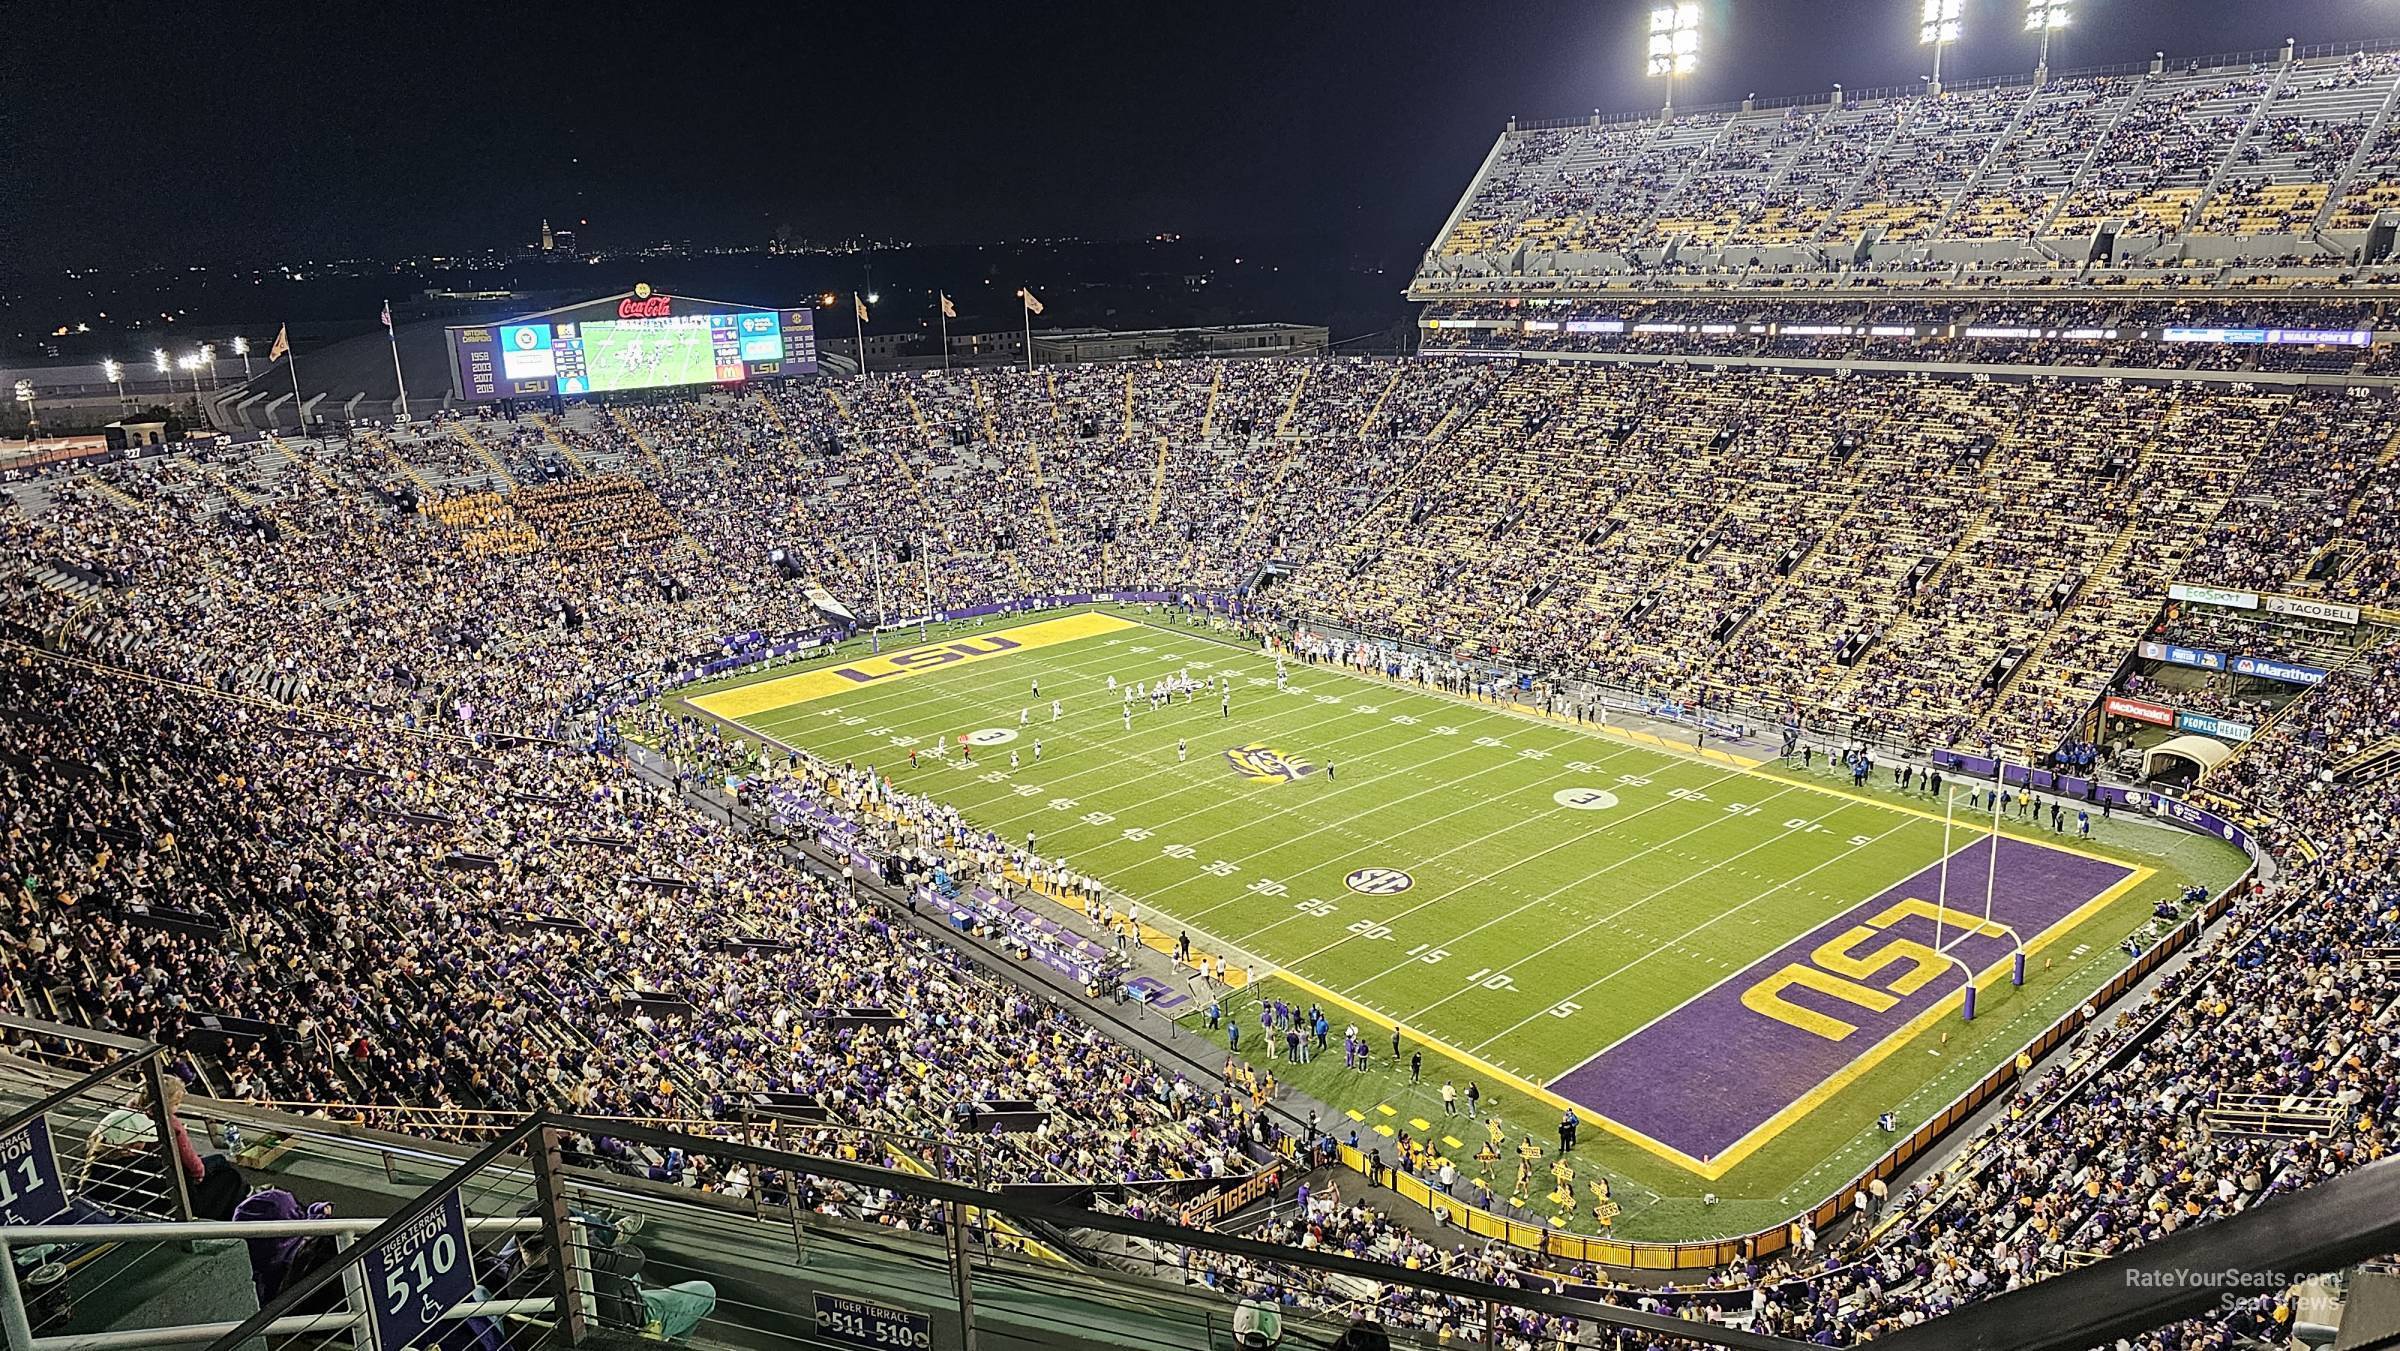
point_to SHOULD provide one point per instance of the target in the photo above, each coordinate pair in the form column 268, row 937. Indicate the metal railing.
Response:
column 529, row 1241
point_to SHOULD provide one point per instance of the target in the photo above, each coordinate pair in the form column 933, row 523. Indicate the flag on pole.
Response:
column 283, row 343
column 1032, row 306
column 387, row 314
column 860, row 303
column 949, row 311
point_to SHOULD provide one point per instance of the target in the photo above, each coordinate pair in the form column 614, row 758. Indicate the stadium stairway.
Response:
column 558, row 443
column 2041, row 647
column 475, row 443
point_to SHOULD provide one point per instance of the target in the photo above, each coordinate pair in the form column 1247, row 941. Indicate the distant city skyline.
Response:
column 448, row 129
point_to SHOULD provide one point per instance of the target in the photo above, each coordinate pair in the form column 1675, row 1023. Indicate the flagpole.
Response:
column 1025, row 303
column 925, row 562
column 402, row 380
column 299, row 406
column 858, row 316
column 941, row 305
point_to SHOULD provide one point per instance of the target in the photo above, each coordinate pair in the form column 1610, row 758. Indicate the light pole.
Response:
column 2046, row 17
column 113, row 371
column 158, row 358
column 189, row 364
column 33, row 425
column 1938, row 31
column 208, row 358
column 1674, row 45
column 241, row 348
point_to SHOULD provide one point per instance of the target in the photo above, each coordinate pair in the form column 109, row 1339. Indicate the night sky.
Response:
column 239, row 134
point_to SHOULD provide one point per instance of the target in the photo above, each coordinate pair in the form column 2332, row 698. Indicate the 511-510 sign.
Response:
column 879, row 1327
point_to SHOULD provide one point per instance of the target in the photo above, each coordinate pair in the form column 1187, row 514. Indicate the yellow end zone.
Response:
column 769, row 695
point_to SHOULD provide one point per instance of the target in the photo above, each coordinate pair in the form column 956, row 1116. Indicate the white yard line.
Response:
column 1599, row 920
column 1577, row 838
column 1355, row 818
column 1223, row 792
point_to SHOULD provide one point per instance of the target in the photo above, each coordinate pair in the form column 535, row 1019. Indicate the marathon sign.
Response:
column 2332, row 611
column 2213, row 595
column 2200, row 657
column 2284, row 671
column 2158, row 715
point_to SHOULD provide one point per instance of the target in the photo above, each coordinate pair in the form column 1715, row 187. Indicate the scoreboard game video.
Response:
column 640, row 340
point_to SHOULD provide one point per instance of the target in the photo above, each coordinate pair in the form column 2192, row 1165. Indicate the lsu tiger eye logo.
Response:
column 1261, row 763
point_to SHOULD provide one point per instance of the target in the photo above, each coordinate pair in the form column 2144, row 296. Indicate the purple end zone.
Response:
column 1707, row 1074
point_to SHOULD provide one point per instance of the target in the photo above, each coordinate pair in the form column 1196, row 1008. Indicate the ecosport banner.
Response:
column 2200, row 657
column 2213, row 595
column 2301, row 606
column 2267, row 669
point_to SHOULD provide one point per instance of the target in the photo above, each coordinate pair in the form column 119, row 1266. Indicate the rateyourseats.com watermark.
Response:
column 2232, row 1285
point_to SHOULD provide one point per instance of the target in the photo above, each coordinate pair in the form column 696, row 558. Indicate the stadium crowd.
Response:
column 343, row 784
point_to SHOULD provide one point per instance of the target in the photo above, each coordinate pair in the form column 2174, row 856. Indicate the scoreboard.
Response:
column 642, row 340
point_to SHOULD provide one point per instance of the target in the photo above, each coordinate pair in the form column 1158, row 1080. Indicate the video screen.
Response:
column 656, row 350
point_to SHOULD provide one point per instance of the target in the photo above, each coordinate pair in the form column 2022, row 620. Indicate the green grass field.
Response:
column 1564, row 886
column 639, row 354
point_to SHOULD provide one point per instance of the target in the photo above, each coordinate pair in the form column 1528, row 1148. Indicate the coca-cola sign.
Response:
column 643, row 307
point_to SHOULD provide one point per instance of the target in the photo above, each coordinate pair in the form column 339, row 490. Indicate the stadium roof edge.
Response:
column 2218, row 61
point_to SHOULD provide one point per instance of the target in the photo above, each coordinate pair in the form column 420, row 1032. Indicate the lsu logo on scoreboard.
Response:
column 1261, row 763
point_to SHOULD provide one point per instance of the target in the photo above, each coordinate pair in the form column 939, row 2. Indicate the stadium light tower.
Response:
column 2046, row 17
column 1938, row 30
column 33, row 424
column 241, row 348
column 113, row 371
column 1674, row 44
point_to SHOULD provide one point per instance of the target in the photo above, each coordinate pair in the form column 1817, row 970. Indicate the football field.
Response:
column 639, row 353
column 1726, row 970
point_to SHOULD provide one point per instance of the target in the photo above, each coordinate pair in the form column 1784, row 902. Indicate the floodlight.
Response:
column 1941, row 22
column 1674, row 42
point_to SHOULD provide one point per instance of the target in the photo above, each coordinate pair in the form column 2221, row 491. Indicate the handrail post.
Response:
column 14, row 1324
column 354, row 1290
column 961, row 1272
column 567, row 1262
column 162, row 1121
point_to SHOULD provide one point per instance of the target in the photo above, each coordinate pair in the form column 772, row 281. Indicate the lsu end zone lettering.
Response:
column 1713, row 1080
column 767, row 696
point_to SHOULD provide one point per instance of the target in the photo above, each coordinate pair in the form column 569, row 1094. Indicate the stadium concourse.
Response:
column 354, row 745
